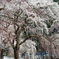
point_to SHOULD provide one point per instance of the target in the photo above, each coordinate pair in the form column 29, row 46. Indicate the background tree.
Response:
column 55, row 0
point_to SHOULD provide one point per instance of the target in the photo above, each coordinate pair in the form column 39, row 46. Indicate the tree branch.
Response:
column 30, row 37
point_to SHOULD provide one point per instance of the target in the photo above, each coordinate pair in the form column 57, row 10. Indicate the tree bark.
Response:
column 1, row 54
column 16, row 53
column 16, row 49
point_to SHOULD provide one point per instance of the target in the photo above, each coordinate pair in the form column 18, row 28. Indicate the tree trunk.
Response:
column 1, row 54
column 50, row 49
column 16, row 53
column 17, row 47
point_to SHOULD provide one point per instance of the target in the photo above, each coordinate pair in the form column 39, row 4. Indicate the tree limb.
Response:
column 30, row 37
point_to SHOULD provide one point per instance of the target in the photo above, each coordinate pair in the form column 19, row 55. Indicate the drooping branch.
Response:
column 7, row 36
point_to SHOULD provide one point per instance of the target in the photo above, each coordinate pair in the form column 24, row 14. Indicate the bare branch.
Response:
column 30, row 37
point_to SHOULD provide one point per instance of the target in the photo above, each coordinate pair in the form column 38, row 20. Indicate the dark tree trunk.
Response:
column 1, row 54
column 17, row 47
column 16, row 53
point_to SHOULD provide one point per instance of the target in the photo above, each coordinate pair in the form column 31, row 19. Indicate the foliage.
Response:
column 55, row 0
